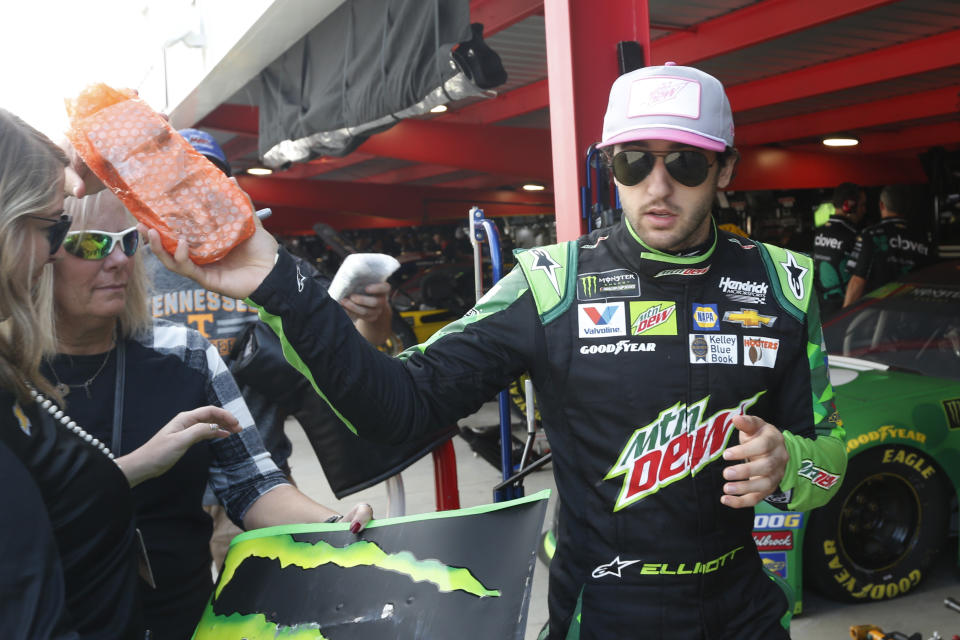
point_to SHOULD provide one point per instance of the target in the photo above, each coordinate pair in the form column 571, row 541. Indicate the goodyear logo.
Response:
column 705, row 317
column 749, row 318
column 952, row 409
column 882, row 434
column 616, row 283
column 653, row 318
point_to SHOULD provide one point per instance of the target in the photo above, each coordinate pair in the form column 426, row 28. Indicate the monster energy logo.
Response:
column 589, row 285
column 617, row 283
column 952, row 409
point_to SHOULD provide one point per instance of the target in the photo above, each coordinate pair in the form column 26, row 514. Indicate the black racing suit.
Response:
column 831, row 250
column 885, row 251
column 639, row 360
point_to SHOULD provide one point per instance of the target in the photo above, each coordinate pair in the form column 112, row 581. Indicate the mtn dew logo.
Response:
column 680, row 442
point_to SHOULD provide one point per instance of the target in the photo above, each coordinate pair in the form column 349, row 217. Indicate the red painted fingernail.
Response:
column 355, row 527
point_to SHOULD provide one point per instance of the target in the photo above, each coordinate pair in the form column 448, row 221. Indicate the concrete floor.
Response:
column 921, row 611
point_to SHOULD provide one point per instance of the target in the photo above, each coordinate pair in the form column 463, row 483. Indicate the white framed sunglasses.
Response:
column 93, row 244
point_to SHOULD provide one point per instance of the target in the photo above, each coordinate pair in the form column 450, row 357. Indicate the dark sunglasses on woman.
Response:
column 93, row 244
column 57, row 231
column 688, row 167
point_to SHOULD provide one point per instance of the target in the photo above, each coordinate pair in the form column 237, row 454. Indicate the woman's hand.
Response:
column 79, row 180
column 168, row 445
column 358, row 517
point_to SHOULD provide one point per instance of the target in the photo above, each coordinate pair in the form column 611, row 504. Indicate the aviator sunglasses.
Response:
column 97, row 245
column 688, row 167
column 57, row 231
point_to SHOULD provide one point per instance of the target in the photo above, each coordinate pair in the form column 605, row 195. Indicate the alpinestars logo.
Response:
column 543, row 262
column 300, row 280
column 677, row 444
column 795, row 275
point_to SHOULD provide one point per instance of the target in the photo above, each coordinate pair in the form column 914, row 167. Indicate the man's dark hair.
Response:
column 845, row 191
column 899, row 199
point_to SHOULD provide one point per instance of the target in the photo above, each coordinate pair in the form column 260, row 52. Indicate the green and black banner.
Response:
column 450, row 574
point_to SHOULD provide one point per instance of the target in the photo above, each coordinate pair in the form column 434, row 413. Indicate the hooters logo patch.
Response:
column 680, row 442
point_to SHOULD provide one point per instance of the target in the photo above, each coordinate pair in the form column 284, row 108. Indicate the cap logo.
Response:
column 664, row 96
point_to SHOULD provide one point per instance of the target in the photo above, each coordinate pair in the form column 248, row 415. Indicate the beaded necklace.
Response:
column 66, row 421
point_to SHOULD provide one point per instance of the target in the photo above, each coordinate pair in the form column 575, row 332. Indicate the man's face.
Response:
column 667, row 215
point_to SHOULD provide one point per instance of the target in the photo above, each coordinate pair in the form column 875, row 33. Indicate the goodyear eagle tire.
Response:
column 879, row 535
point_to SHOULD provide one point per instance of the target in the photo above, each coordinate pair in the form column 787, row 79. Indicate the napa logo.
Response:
column 601, row 320
column 679, row 442
column 22, row 420
column 706, row 317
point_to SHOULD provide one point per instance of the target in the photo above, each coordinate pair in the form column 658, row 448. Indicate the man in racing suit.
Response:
column 833, row 244
column 650, row 344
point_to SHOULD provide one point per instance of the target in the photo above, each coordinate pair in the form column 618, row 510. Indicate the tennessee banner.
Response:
column 451, row 574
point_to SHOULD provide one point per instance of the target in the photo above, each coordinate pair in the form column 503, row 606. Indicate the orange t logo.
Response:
column 199, row 322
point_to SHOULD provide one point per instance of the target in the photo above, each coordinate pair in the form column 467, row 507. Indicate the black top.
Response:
column 887, row 250
column 90, row 507
column 31, row 579
column 831, row 250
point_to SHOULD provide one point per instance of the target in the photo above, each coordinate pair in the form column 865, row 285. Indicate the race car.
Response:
column 895, row 367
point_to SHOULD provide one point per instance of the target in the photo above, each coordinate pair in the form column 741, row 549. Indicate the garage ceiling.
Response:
column 887, row 72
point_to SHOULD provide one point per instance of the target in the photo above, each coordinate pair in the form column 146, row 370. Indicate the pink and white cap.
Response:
column 679, row 104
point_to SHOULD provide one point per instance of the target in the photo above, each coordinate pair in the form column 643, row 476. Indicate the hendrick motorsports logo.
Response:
column 653, row 318
column 680, row 442
column 707, row 348
column 601, row 320
column 618, row 283
column 745, row 291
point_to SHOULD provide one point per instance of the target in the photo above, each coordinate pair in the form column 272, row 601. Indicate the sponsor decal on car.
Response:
column 705, row 317
column 707, row 348
column 618, row 283
column 952, row 409
column 882, row 434
column 744, row 291
column 785, row 520
column 653, row 318
column 930, row 293
column 618, row 347
column 795, row 273
column 678, row 443
column 775, row 562
column 601, row 320
column 682, row 272
column 760, row 352
column 818, row 477
column 615, row 567
column 749, row 318
column 774, row 540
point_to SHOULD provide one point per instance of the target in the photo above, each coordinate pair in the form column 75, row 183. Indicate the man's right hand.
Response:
column 237, row 275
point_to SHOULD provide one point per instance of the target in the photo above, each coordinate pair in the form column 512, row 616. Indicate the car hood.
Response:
column 868, row 382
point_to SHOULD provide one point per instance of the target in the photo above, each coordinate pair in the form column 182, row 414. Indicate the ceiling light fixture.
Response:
column 533, row 187
column 440, row 108
column 840, row 141
column 259, row 171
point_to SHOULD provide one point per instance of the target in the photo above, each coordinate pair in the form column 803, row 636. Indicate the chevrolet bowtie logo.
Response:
column 749, row 318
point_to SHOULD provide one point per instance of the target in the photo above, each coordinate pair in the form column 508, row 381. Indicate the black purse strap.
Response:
column 118, row 397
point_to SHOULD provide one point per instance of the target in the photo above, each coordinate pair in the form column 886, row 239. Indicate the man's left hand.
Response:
column 764, row 457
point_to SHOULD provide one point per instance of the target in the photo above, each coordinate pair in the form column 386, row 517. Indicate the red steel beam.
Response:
column 239, row 146
column 235, row 118
column 858, row 116
column 582, row 64
column 752, row 25
column 917, row 56
column 496, row 15
column 409, row 174
column 914, row 137
column 518, row 102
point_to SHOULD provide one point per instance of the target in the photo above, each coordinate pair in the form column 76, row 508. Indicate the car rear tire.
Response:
column 879, row 535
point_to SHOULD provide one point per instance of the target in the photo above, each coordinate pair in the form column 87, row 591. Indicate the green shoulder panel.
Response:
column 791, row 277
column 551, row 272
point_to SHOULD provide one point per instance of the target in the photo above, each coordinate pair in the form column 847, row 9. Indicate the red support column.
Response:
column 445, row 477
column 582, row 42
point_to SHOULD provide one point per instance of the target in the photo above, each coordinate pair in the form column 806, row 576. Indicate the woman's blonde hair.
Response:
column 135, row 317
column 31, row 181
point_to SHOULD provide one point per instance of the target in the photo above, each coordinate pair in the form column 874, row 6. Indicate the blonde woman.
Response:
column 125, row 375
column 85, row 494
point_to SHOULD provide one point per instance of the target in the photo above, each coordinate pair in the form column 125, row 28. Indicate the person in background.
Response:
column 894, row 246
column 221, row 319
column 125, row 375
column 833, row 245
column 650, row 344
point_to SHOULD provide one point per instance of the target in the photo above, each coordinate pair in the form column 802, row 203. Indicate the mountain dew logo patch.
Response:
column 680, row 442
column 653, row 318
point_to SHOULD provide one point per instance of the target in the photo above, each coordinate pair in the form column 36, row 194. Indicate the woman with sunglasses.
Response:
column 125, row 375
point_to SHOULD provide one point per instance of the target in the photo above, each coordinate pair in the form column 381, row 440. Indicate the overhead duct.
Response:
column 339, row 84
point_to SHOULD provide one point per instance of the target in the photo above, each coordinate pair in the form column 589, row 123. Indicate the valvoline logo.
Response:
column 601, row 320
column 680, row 442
